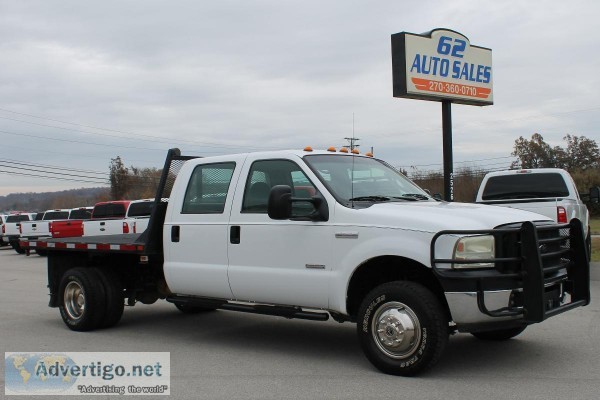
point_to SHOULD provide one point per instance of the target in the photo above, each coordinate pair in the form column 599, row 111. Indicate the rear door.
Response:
column 195, row 232
column 278, row 262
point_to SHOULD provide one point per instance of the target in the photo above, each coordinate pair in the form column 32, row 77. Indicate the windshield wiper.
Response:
column 370, row 198
column 415, row 196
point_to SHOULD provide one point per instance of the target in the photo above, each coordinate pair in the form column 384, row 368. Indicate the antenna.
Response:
column 352, row 146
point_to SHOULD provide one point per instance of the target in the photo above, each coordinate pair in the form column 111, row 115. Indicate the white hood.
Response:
column 436, row 216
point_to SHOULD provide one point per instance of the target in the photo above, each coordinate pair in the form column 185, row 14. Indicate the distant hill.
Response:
column 47, row 200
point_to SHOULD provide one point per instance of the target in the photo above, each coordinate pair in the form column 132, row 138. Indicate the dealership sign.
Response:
column 441, row 65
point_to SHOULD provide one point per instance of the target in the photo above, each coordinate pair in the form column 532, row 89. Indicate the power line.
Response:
column 157, row 139
column 49, row 177
column 52, row 167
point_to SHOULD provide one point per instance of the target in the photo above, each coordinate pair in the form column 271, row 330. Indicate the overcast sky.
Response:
column 82, row 82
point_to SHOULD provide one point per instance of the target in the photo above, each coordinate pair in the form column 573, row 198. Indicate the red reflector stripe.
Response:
column 81, row 246
column 103, row 246
column 128, row 247
column 59, row 245
column 42, row 244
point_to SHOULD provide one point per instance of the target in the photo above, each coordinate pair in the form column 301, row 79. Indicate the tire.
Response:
column 500, row 334
column 115, row 299
column 82, row 286
column 17, row 247
column 409, row 314
column 189, row 309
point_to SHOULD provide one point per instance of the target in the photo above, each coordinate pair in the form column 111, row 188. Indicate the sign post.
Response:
column 442, row 65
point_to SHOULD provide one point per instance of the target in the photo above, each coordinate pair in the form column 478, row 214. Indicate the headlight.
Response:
column 474, row 248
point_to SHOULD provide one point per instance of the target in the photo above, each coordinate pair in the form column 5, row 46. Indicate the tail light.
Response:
column 3, row 229
column 561, row 215
column 125, row 227
column 50, row 226
column 20, row 229
column 134, row 227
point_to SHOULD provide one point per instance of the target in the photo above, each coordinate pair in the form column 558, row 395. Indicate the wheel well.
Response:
column 385, row 269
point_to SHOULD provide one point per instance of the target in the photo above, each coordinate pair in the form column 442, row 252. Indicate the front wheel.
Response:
column 402, row 328
column 500, row 334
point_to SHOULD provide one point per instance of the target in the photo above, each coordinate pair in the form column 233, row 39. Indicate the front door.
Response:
column 277, row 262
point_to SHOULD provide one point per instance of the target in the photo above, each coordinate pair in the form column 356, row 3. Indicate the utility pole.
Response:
column 352, row 142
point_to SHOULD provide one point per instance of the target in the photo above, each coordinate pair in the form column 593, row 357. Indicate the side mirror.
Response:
column 595, row 194
column 280, row 207
column 437, row 196
column 280, row 202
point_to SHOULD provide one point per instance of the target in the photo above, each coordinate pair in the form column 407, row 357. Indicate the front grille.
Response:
column 554, row 248
column 542, row 261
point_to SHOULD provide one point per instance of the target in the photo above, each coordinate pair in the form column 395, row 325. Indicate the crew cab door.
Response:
column 195, row 234
column 278, row 262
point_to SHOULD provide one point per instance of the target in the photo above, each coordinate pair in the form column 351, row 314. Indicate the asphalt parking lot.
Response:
column 227, row 355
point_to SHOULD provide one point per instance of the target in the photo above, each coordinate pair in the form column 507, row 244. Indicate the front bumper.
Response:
column 543, row 271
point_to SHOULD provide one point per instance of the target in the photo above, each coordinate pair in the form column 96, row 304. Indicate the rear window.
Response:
column 109, row 211
column 80, row 214
column 140, row 209
column 39, row 217
column 52, row 215
column 17, row 218
column 525, row 186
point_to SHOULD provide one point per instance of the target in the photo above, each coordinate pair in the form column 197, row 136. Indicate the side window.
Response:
column 264, row 175
column 207, row 190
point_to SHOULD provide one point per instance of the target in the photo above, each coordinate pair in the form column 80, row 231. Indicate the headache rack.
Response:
column 530, row 259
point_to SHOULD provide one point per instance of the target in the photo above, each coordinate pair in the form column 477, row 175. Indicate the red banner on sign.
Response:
column 451, row 88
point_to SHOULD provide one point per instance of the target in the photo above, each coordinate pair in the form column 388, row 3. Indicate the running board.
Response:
column 264, row 309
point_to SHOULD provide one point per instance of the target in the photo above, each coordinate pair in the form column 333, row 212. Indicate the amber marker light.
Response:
column 369, row 154
column 308, row 148
column 355, row 151
column 343, row 150
column 332, row 149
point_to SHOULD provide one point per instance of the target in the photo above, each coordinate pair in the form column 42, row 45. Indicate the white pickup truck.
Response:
column 546, row 191
column 118, row 217
column 313, row 234
column 40, row 227
column 11, row 229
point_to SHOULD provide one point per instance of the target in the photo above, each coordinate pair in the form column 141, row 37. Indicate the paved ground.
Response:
column 226, row 355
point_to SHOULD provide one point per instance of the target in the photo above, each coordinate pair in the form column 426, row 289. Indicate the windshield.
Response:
column 363, row 180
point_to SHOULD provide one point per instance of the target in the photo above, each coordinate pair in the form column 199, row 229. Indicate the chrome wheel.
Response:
column 74, row 300
column 396, row 330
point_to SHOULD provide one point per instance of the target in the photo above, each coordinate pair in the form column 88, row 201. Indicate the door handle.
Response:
column 175, row 233
column 234, row 234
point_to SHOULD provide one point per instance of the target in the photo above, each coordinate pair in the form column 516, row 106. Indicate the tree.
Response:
column 534, row 153
column 581, row 154
column 119, row 178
